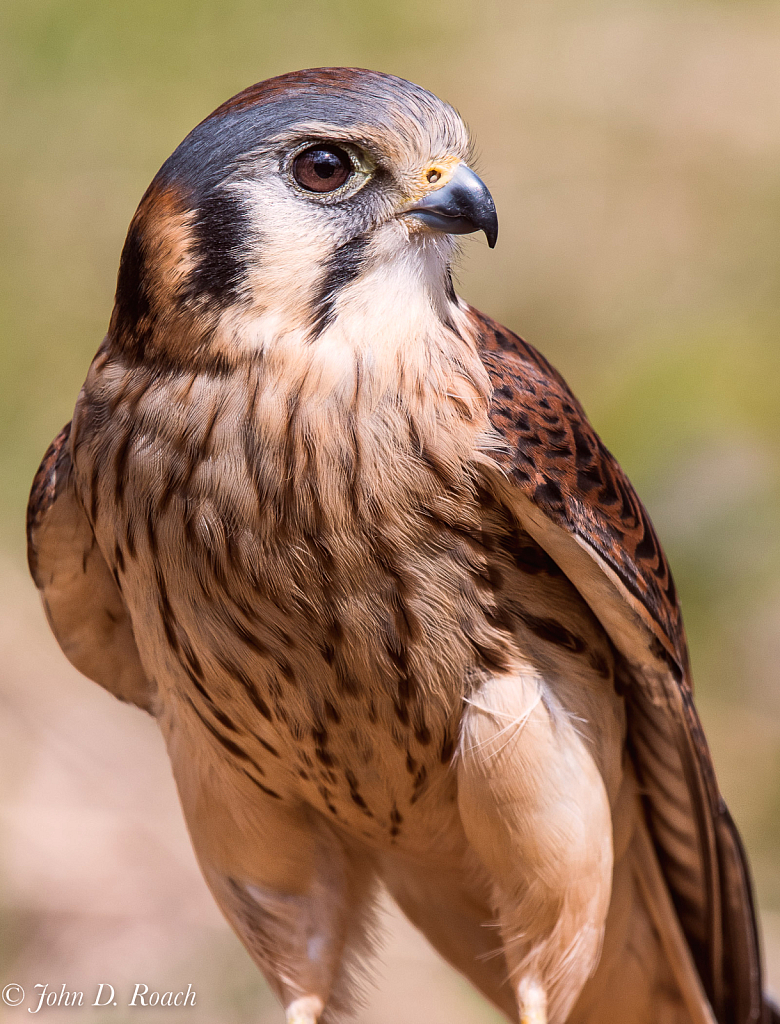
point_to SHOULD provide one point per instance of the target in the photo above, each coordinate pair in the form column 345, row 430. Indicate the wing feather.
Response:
column 81, row 597
column 571, row 495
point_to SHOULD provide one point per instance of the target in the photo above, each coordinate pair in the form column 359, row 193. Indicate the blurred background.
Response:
column 633, row 149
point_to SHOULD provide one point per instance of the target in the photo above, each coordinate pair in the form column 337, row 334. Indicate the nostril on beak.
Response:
column 462, row 205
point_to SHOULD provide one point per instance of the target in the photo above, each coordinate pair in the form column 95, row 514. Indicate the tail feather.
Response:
column 646, row 974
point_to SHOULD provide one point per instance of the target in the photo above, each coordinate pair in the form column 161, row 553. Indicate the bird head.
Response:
column 298, row 197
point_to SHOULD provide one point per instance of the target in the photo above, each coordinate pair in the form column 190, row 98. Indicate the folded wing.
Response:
column 81, row 597
column 573, row 498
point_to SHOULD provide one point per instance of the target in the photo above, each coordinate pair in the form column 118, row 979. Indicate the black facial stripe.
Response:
column 132, row 297
column 221, row 233
column 343, row 266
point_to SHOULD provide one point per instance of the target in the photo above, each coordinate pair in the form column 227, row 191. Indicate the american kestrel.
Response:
column 398, row 612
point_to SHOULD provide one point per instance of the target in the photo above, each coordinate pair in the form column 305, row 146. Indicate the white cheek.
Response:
column 401, row 291
column 293, row 241
column 386, row 315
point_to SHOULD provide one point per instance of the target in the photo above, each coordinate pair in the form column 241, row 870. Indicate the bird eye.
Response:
column 322, row 168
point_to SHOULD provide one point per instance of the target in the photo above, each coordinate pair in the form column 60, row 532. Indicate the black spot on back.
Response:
column 548, row 494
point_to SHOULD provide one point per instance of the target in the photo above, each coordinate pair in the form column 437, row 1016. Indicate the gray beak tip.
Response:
column 459, row 207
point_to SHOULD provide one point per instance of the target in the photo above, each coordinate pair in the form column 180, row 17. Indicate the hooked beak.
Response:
column 460, row 206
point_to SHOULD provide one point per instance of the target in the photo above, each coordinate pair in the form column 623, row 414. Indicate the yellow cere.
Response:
column 432, row 177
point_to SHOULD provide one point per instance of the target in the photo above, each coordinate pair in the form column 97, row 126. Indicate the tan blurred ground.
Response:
column 633, row 149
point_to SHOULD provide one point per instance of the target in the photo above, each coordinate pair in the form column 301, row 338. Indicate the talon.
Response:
column 533, row 1015
column 533, row 1003
column 305, row 1010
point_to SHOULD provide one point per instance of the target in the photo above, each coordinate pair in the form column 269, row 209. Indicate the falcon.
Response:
column 399, row 614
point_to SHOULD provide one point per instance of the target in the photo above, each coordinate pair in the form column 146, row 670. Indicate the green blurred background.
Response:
column 633, row 149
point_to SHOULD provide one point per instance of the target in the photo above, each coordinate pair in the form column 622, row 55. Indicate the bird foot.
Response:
column 532, row 1001
column 305, row 1010
column 533, row 1015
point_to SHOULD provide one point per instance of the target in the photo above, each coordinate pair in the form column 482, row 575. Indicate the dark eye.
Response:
column 322, row 168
